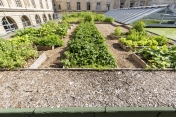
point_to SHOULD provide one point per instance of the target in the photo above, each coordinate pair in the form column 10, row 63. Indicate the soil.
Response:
column 55, row 56
column 124, row 59
column 33, row 89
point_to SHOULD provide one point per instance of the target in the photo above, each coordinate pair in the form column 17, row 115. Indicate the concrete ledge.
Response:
column 69, row 110
column 39, row 61
column 87, row 69
column 90, row 110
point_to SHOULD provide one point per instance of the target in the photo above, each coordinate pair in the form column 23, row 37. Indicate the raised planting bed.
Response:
column 113, row 36
column 127, row 48
column 88, row 49
column 157, row 57
column 139, row 60
column 45, row 48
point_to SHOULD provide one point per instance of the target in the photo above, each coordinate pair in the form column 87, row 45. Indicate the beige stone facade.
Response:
column 18, row 14
column 104, row 5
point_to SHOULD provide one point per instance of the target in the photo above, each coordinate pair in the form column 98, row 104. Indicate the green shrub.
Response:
column 88, row 18
column 109, row 19
column 139, row 26
column 49, row 40
column 99, row 17
column 14, row 53
column 117, row 31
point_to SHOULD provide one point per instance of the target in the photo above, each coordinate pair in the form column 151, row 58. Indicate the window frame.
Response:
column 33, row 3
column 41, row 4
column 68, row 6
column 78, row 5
column 18, row 3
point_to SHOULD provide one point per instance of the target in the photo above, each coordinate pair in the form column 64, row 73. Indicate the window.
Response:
column 25, row 21
column 154, row 4
column 33, row 3
column 88, row 5
column 44, row 18
column 98, row 6
column 108, row 6
column 173, row 6
column 9, row 24
column 47, row 4
column 1, row 4
column 38, row 20
column 18, row 3
column 141, row 3
column 59, row 7
column 78, row 6
column 49, row 17
column 68, row 6
column 132, row 4
column 41, row 5
column 121, row 5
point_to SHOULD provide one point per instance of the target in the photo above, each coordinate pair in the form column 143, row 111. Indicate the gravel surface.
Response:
column 124, row 59
column 24, row 89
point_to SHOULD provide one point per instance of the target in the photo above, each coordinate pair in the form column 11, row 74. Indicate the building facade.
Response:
column 18, row 14
column 104, row 5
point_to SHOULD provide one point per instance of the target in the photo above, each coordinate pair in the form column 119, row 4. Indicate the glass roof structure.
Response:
column 156, row 16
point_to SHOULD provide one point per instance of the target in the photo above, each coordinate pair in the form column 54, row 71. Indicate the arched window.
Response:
column 18, row 3
column 38, row 20
column 49, row 17
column 25, row 20
column 33, row 3
column 9, row 24
column 41, row 4
column 44, row 18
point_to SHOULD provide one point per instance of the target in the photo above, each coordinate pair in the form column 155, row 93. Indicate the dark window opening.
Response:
column 121, row 5
column 78, row 6
column 98, row 6
column 108, row 6
column 68, row 6
column 88, row 5
column 59, row 7
column 131, row 4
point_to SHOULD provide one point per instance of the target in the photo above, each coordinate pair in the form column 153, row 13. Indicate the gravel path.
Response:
column 24, row 89
column 124, row 59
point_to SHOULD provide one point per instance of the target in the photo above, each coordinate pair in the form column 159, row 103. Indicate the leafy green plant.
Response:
column 88, row 18
column 109, row 19
column 159, row 57
column 15, row 52
column 49, row 40
column 117, row 31
column 139, row 26
column 88, row 49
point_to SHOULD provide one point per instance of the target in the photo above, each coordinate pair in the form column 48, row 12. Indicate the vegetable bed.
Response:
column 138, row 38
column 159, row 57
column 88, row 49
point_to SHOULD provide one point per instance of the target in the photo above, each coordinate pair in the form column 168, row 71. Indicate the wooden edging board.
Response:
column 44, row 48
column 115, row 37
column 139, row 60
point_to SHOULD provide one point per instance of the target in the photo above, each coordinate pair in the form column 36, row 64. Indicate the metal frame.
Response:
column 130, row 15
